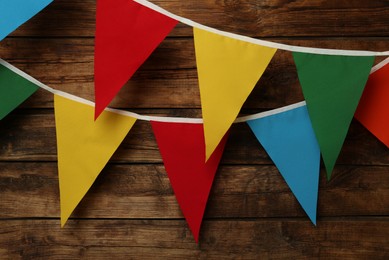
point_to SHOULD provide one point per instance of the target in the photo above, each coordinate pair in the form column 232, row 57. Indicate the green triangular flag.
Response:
column 14, row 89
column 332, row 86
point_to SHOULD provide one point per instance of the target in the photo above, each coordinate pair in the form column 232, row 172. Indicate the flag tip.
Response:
column 63, row 222
column 98, row 112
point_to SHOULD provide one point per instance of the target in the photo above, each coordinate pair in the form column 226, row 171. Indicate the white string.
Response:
column 160, row 118
column 280, row 46
column 270, row 112
column 227, row 34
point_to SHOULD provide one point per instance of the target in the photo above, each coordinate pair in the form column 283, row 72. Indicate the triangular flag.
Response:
column 289, row 140
column 373, row 108
column 126, row 34
column 84, row 147
column 14, row 89
column 228, row 70
column 182, row 148
column 332, row 87
column 14, row 13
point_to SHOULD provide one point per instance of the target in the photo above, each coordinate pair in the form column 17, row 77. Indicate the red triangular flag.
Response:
column 373, row 108
column 182, row 147
column 126, row 34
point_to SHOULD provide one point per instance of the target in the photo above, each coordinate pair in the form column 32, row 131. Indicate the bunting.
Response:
column 289, row 140
column 182, row 147
column 332, row 86
column 14, row 13
column 14, row 89
column 228, row 70
column 373, row 108
column 229, row 67
column 126, row 34
column 84, row 147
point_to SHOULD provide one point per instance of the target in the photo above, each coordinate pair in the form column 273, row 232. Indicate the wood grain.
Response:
column 252, row 18
column 131, row 212
column 360, row 148
column 157, row 239
column 167, row 80
column 143, row 191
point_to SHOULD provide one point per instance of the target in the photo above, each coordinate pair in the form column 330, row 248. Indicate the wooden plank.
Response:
column 167, row 80
column 230, row 239
column 249, row 17
column 30, row 190
column 16, row 130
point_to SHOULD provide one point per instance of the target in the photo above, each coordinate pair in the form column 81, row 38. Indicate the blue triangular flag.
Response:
column 290, row 141
column 14, row 13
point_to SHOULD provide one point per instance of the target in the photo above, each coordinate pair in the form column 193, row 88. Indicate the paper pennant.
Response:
column 126, row 34
column 373, row 108
column 332, row 87
column 84, row 147
column 182, row 148
column 14, row 13
column 228, row 70
column 14, row 89
column 289, row 140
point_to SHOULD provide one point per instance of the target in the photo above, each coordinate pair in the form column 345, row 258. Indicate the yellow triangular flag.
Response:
column 84, row 147
column 228, row 70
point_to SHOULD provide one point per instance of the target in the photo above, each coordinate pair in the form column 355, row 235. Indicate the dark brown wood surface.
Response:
column 131, row 212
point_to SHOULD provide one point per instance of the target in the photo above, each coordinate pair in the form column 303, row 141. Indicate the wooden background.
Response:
column 131, row 211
